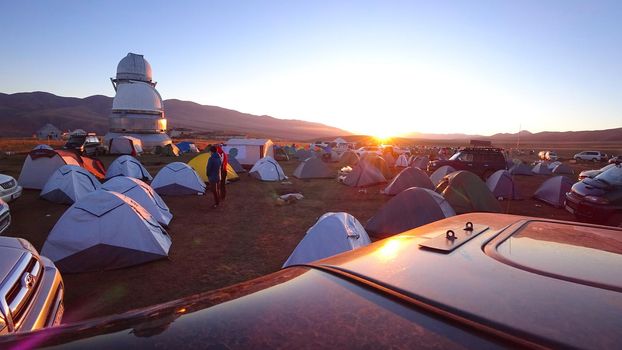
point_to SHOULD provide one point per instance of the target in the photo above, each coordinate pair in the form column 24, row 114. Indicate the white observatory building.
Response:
column 137, row 108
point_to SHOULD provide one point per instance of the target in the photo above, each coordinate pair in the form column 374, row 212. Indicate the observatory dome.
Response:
column 137, row 96
column 134, row 67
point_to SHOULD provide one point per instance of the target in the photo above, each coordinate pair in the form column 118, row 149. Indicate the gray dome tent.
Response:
column 104, row 231
column 143, row 194
column 407, row 178
column 441, row 172
column 68, row 184
column 562, row 169
column 421, row 162
column 553, row 190
column 501, row 184
column 235, row 164
column 411, row 208
column 541, row 169
column 178, row 179
column 303, row 154
column 364, row 174
column 128, row 166
column 348, row 158
column 521, row 169
column 313, row 168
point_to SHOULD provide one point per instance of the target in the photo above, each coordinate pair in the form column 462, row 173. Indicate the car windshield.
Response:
column 455, row 156
column 76, row 140
column 465, row 157
column 611, row 176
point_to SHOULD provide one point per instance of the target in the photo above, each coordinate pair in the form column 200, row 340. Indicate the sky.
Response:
column 383, row 68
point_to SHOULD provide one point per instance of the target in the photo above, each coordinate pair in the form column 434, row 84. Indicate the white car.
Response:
column 593, row 156
column 9, row 188
column 552, row 156
column 5, row 216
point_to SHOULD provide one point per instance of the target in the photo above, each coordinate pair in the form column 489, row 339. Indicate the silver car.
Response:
column 5, row 216
column 9, row 188
column 31, row 291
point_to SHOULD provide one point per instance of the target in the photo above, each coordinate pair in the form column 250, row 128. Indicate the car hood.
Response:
column 8, row 258
column 589, row 173
column 590, row 187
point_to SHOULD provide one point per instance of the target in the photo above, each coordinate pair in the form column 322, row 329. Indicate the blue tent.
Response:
column 187, row 147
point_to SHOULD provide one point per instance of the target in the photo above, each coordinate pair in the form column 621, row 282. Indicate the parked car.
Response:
column 5, row 216
column 481, row 161
column 592, row 156
column 598, row 199
column 552, row 156
column 9, row 188
column 89, row 145
column 472, row 281
column 615, row 160
column 31, row 289
column 593, row 173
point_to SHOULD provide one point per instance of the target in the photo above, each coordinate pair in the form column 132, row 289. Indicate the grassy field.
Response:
column 248, row 236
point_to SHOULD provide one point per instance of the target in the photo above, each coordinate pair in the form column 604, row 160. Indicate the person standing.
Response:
column 223, row 172
column 213, row 174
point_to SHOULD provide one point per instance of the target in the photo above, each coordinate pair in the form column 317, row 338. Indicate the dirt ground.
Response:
column 246, row 237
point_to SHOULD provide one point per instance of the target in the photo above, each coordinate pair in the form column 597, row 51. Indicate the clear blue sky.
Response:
column 379, row 67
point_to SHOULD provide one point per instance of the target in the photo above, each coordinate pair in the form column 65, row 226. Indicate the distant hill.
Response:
column 526, row 136
column 21, row 114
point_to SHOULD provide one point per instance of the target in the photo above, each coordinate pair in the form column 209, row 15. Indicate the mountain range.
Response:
column 21, row 114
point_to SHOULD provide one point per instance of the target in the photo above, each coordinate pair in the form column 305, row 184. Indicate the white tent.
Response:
column 332, row 234
column 125, row 145
column 402, row 161
column 178, row 179
column 440, row 173
column 249, row 151
column 128, row 166
column 267, row 169
column 143, row 194
column 68, row 184
column 40, row 164
column 103, row 231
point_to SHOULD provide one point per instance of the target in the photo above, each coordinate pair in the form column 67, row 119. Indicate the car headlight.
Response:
column 596, row 200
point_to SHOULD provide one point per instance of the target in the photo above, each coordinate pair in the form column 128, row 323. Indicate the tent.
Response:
column 40, row 164
column 249, row 151
column 501, row 184
column 237, row 167
column 402, row 161
column 169, row 150
column 552, row 165
column 267, row 169
column 440, row 173
column 178, row 179
column 104, row 231
column 43, row 146
column 199, row 164
column 411, row 208
column 553, row 190
column 187, row 147
column 313, row 168
column 421, row 162
column 466, row 193
column 407, row 178
column 142, row 194
column 303, row 154
column 562, row 169
column 348, row 158
column 128, row 166
column 49, row 132
column 68, row 184
column 541, row 169
column 125, row 145
column 378, row 162
column 389, row 159
column 363, row 175
column 332, row 234
column 521, row 169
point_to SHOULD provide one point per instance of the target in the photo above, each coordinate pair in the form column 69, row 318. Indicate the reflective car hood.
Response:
column 589, row 187
column 470, row 283
column 5, row 178
column 8, row 258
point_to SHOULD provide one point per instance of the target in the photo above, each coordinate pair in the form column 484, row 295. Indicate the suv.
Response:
column 31, row 290
column 5, row 216
column 598, row 199
column 88, row 144
column 9, row 188
column 481, row 161
column 594, row 156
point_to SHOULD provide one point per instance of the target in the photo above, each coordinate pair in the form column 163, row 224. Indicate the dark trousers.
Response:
column 223, row 181
column 214, row 188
